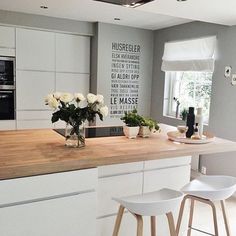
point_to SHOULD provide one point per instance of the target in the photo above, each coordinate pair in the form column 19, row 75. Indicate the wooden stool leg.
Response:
column 181, row 211
column 153, row 226
column 214, row 217
column 171, row 224
column 190, row 222
column 227, row 228
column 118, row 221
column 139, row 225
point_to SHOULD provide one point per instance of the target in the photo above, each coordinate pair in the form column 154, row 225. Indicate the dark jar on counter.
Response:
column 190, row 122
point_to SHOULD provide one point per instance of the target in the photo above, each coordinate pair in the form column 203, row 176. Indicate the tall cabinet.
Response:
column 48, row 62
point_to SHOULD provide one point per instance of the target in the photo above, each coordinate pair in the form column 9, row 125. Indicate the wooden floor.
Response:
column 203, row 218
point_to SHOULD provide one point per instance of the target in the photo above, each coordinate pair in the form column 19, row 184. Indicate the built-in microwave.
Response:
column 7, row 88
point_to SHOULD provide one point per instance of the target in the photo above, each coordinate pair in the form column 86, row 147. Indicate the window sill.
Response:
column 178, row 119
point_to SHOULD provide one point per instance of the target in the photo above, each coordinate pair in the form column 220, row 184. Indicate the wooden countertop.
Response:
column 34, row 152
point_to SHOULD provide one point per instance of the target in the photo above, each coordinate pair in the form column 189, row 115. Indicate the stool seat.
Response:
column 211, row 187
column 152, row 204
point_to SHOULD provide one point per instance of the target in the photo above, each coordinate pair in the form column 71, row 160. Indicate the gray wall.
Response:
column 223, row 102
column 45, row 22
column 101, row 66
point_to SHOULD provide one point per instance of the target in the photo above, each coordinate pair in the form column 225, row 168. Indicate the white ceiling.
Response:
column 154, row 15
column 88, row 10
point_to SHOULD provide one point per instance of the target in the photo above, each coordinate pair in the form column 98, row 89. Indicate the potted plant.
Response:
column 183, row 114
column 132, row 123
column 148, row 126
column 67, row 107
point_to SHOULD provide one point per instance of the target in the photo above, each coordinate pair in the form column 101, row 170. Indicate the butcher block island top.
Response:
column 35, row 152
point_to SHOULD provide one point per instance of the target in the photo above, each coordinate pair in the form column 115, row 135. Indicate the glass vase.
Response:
column 75, row 137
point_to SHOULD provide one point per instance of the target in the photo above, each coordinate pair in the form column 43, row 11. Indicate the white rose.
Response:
column 100, row 99
column 92, row 98
column 66, row 97
column 79, row 97
column 53, row 103
column 49, row 96
column 104, row 111
column 57, row 95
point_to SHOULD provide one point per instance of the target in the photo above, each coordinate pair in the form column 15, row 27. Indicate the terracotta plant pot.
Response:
column 145, row 132
column 131, row 132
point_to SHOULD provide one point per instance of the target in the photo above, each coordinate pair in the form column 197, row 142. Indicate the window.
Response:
column 188, row 67
column 191, row 89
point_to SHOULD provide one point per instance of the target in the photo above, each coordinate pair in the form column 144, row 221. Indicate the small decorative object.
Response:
column 196, row 133
column 233, row 81
column 199, row 120
column 133, row 122
column 190, row 122
column 183, row 114
column 67, row 108
column 147, row 127
column 228, row 70
column 177, row 107
column 182, row 130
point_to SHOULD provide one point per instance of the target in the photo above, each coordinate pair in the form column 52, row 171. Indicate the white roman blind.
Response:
column 190, row 55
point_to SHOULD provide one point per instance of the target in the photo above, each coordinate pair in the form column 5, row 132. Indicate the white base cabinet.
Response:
column 62, row 204
column 80, row 202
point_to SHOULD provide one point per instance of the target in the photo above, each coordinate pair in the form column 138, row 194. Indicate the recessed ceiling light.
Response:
column 43, row 7
column 116, row 18
column 181, row 0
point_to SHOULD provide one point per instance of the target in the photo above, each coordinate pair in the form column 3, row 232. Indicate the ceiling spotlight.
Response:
column 43, row 7
column 116, row 18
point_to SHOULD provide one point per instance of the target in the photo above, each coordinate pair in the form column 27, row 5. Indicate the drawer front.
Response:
column 117, row 169
column 68, row 216
column 174, row 178
column 45, row 186
column 116, row 186
column 168, row 162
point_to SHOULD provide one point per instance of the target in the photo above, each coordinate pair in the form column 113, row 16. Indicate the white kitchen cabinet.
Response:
column 72, row 83
column 70, row 216
column 32, row 88
column 35, row 50
column 55, row 204
column 72, row 53
column 7, row 37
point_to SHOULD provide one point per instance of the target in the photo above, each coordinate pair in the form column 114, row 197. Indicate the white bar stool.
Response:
column 150, row 204
column 207, row 189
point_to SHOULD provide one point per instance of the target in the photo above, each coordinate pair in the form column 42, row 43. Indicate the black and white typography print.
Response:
column 125, row 66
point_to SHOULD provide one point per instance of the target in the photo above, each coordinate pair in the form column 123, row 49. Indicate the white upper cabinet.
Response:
column 72, row 53
column 35, row 50
column 72, row 83
column 7, row 37
column 32, row 88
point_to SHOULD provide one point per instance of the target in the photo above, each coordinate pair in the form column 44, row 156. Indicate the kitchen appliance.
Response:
column 7, row 88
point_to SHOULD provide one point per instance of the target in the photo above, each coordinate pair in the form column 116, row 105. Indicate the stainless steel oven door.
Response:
column 7, row 104
column 7, row 70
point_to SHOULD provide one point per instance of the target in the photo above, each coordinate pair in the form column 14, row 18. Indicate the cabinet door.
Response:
column 35, row 50
column 7, row 37
column 32, row 88
column 72, row 83
column 67, row 216
column 72, row 53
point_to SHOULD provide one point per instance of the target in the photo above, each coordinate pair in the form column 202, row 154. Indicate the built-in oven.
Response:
column 7, row 88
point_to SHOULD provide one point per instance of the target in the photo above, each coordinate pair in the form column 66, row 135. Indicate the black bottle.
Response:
column 190, row 122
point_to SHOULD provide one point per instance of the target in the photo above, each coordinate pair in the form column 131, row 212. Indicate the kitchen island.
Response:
column 48, row 189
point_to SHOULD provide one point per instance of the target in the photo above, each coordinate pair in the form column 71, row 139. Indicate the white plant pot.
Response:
column 131, row 132
column 145, row 132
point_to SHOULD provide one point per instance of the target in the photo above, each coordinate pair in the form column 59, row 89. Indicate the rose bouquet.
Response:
column 68, row 108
